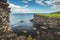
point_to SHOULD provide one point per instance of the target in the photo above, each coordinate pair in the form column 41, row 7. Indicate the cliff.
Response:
column 5, row 32
column 44, row 20
column 4, row 15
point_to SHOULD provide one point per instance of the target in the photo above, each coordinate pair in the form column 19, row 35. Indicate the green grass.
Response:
column 51, row 15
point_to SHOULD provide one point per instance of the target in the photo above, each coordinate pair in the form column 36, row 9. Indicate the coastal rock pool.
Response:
column 25, row 27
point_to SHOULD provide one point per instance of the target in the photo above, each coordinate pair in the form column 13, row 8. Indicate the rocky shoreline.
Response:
column 44, row 21
column 42, row 34
column 44, row 30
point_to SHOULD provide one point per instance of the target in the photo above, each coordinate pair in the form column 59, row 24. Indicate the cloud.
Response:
column 57, row 0
column 17, row 9
column 25, row 6
column 26, row 1
column 54, row 4
column 40, row 2
column 55, row 8
column 49, row 2
column 21, row 9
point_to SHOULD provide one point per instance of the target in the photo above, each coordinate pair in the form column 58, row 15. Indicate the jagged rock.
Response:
column 43, row 20
column 4, row 18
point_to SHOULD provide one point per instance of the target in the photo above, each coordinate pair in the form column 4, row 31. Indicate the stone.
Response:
column 59, row 33
column 22, row 37
column 4, row 24
column 34, row 28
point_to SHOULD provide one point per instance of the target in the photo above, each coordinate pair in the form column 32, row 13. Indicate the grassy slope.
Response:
column 55, row 15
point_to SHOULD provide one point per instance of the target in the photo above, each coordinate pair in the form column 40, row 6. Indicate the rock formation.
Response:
column 5, row 33
column 4, row 15
column 51, row 22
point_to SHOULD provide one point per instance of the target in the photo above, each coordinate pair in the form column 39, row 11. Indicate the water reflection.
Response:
column 24, row 27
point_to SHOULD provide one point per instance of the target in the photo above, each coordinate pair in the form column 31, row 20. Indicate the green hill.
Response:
column 56, row 12
column 55, row 15
column 52, row 15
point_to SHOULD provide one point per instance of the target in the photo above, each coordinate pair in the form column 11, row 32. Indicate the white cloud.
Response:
column 26, row 1
column 53, row 3
column 49, row 2
column 25, row 6
column 55, row 8
column 24, row 9
column 17, row 9
column 40, row 2
column 21, row 9
column 57, row 0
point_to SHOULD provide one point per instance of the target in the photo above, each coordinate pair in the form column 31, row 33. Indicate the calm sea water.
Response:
column 15, row 21
column 15, row 18
column 17, row 25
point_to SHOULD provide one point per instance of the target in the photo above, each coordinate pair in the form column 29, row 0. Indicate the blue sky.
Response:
column 34, row 6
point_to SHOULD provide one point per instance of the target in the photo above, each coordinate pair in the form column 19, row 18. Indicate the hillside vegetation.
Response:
column 55, row 15
column 52, row 15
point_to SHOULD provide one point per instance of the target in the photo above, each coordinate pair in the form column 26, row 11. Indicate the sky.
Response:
column 34, row 6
